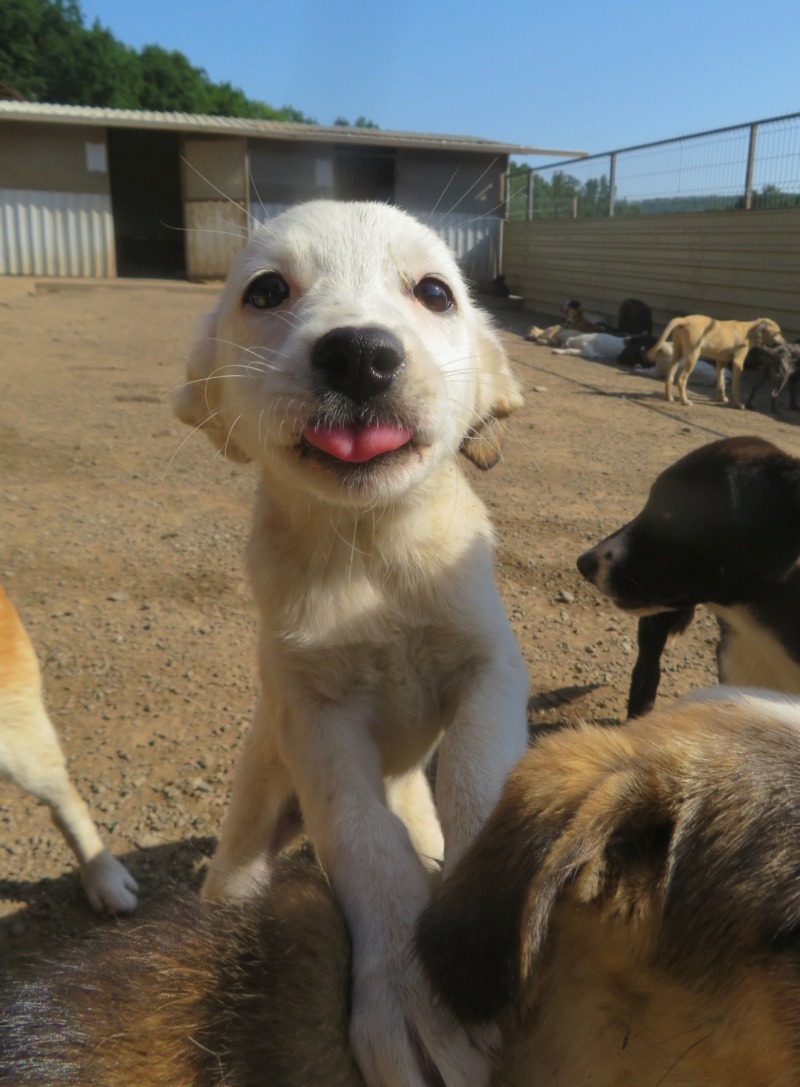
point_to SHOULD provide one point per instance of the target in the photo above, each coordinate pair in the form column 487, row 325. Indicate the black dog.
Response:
column 721, row 527
column 634, row 319
column 782, row 363
column 634, row 353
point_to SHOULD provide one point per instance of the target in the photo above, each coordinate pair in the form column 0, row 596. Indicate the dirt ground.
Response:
column 121, row 539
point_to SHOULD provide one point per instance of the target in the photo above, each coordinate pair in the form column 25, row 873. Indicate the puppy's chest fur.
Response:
column 751, row 655
column 391, row 619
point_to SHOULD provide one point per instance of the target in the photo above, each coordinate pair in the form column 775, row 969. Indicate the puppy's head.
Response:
column 626, row 868
column 720, row 517
column 346, row 357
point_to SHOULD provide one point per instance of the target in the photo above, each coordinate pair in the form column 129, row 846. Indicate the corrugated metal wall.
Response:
column 56, row 233
column 475, row 240
column 728, row 264
column 216, row 231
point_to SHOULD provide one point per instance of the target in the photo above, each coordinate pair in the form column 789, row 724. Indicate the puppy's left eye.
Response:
column 434, row 295
column 267, row 292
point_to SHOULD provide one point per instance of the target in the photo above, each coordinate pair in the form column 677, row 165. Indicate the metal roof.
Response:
column 279, row 130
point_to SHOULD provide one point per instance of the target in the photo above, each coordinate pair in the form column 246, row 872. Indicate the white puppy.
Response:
column 31, row 756
column 346, row 359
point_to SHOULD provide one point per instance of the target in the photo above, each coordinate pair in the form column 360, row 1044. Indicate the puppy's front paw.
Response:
column 109, row 885
column 402, row 1038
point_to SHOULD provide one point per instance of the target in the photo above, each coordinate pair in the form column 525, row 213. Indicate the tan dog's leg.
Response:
column 262, row 817
column 683, row 376
column 673, row 366
column 737, row 365
column 32, row 757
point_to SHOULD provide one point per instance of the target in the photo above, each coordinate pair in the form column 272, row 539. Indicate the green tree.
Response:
column 47, row 54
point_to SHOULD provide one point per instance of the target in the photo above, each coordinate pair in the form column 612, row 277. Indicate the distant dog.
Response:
column 550, row 336
column 782, row 364
column 635, row 318
column 575, row 317
column 30, row 755
column 635, row 350
column 629, row 911
column 723, row 341
column 721, row 527
column 594, row 346
column 346, row 359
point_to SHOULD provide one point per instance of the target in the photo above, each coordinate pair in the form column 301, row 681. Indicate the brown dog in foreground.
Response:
column 723, row 341
column 630, row 914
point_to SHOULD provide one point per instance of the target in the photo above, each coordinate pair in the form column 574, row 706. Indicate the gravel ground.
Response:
column 121, row 544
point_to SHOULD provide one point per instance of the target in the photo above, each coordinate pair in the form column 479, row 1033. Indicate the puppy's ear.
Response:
column 578, row 818
column 198, row 402
column 498, row 395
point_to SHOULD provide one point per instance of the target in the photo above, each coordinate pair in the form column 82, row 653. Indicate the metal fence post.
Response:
column 612, row 183
column 751, row 162
column 530, row 195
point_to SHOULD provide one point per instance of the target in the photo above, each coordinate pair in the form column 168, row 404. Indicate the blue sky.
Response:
column 582, row 75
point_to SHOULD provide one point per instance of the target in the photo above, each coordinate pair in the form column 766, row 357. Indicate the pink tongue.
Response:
column 358, row 443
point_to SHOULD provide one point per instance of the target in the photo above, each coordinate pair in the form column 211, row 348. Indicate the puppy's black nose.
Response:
column 587, row 564
column 359, row 362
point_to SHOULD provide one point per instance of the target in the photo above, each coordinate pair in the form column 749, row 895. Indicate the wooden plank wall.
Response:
column 729, row 264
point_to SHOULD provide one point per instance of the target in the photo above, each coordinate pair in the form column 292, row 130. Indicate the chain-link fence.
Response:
column 755, row 165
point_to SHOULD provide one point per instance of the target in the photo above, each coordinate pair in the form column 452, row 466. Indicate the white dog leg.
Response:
column 396, row 1025
column 485, row 740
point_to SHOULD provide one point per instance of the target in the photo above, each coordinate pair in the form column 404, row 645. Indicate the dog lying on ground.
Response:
column 629, row 914
column 782, row 364
column 721, row 527
column 31, row 757
column 723, row 341
column 594, row 346
column 347, row 361
column 547, row 337
column 635, row 318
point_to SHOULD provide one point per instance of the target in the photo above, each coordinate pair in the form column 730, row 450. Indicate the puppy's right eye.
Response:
column 267, row 292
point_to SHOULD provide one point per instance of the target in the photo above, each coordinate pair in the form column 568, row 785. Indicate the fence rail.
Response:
column 755, row 165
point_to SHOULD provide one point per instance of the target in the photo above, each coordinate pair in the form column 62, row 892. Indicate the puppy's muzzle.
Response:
column 360, row 363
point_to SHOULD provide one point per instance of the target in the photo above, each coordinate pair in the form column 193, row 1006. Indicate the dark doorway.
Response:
column 364, row 174
column 146, row 199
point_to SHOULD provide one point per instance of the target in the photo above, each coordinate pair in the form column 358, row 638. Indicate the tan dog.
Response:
column 723, row 341
column 346, row 359
column 30, row 755
column 632, row 906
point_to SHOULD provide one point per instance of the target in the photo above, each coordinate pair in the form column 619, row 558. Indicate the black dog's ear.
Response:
column 768, row 513
column 578, row 816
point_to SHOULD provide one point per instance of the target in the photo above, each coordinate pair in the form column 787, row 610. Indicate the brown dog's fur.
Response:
column 629, row 914
column 723, row 341
column 632, row 908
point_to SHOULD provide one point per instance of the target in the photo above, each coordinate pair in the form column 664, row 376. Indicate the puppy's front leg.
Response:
column 487, row 736
column 397, row 1030
column 262, row 817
